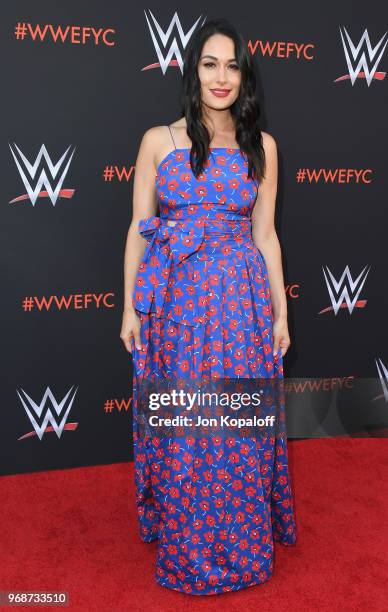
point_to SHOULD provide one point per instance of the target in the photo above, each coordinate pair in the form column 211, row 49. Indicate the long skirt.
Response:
column 215, row 503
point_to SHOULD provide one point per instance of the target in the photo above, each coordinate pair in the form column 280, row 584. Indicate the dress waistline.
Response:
column 173, row 245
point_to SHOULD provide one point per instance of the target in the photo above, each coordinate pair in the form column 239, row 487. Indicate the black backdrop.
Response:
column 91, row 100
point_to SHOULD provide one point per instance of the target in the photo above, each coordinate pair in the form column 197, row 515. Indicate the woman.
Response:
column 205, row 300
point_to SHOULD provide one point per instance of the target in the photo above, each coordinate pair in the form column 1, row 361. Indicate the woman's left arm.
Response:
column 265, row 238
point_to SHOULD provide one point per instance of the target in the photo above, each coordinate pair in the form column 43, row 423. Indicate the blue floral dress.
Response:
column 216, row 504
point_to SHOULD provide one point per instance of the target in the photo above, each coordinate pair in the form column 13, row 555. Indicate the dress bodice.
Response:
column 212, row 214
column 221, row 191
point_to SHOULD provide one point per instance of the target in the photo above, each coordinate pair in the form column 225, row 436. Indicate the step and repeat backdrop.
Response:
column 81, row 83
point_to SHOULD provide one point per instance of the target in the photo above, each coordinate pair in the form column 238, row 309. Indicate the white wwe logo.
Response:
column 61, row 410
column 357, row 56
column 339, row 292
column 28, row 172
column 383, row 375
column 164, row 37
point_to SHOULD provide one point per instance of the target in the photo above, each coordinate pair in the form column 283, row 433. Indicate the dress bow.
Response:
column 181, row 239
column 169, row 246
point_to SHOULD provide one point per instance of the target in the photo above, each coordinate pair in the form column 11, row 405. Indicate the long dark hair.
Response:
column 245, row 110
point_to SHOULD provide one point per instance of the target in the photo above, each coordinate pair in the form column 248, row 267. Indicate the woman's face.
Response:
column 218, row 70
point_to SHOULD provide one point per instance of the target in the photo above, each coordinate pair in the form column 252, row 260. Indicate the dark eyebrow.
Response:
column 212, row 57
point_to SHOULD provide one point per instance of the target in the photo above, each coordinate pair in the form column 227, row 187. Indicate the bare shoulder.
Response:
column 157, row 141
column 271, row 154
column 153, row 137
column 153, row 146
column 269, row 143
column 159, row 135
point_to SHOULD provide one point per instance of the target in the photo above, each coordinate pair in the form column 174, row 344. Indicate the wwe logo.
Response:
column 383, row 375
column 340, row 293
column 28, row 172
column 48, row 411
column 164, row 38
column 357, row 57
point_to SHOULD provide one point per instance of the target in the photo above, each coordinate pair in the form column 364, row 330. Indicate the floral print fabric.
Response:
column 215, row 503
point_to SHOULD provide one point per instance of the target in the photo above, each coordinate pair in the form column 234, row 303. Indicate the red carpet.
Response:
column 75, row 530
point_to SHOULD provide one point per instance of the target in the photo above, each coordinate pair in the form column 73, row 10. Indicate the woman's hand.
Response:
column 130, row 330
column 281, row 336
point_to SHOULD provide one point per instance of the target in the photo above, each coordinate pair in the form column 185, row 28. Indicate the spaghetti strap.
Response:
column 172, row 136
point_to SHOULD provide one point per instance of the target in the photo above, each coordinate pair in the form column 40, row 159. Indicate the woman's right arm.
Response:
column 144, row 205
